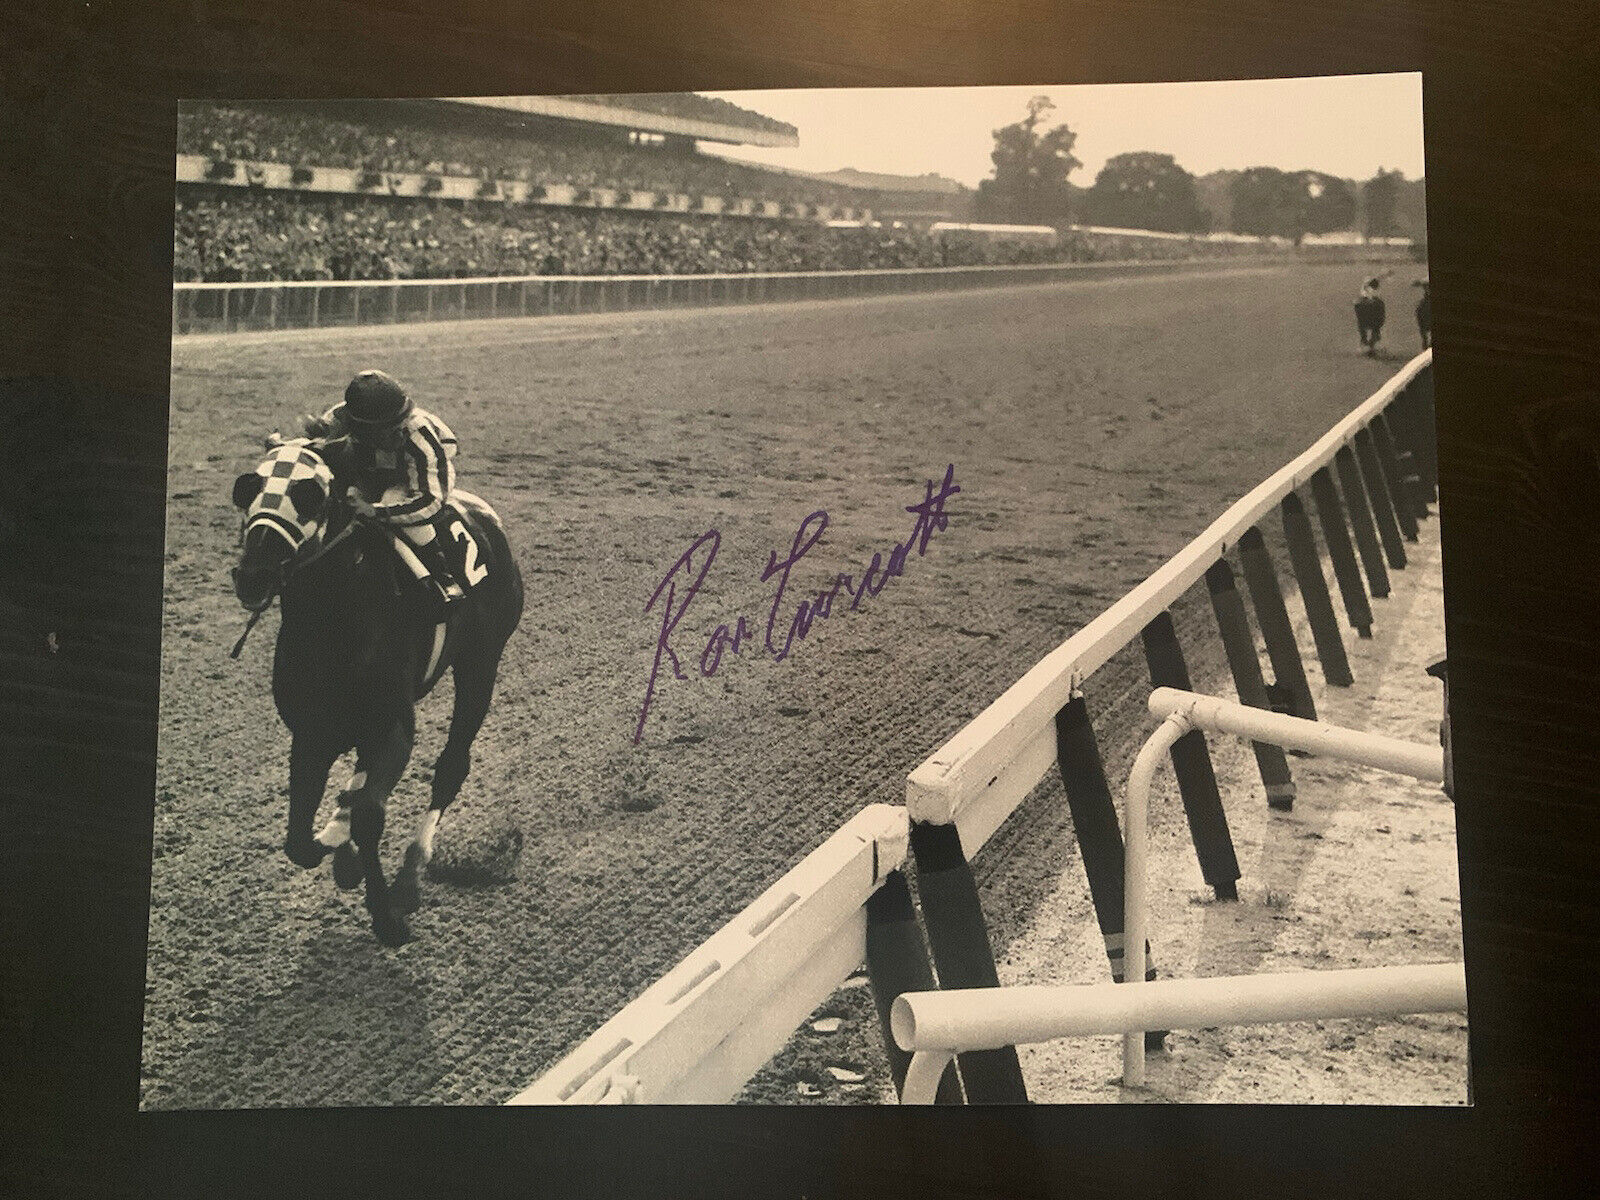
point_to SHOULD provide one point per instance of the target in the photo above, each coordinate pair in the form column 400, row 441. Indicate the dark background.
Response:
column 1512, row 109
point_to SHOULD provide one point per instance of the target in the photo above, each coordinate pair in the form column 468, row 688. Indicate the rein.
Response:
column 289, row 570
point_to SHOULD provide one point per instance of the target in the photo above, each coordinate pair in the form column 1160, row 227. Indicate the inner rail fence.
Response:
column 316, row 304
column 702, row 1031
column 937, row 1025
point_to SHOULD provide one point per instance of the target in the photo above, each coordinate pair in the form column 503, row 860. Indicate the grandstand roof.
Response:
column 931, row 182
column 682, row 113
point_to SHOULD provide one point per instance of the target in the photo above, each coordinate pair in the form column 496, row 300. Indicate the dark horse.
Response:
column 1369, row 322
column 358, row 646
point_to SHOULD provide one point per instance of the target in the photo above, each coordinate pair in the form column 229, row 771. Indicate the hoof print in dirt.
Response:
column 488, row 860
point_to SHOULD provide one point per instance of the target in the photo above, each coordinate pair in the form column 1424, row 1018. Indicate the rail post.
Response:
column 1336, row 533
column 962, row 955
column 1404, row 496
column 1261, row 578
column 1355, row 499
column 1094, row 825
column 1240, row 646
column 897, row 961
column 1398, row 416
column 1417, row 401
column 1383, row 504
column 1191, row 762
column 1307, row 564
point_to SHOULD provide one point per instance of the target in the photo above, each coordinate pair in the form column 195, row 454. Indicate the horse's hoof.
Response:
column 391, row 927
column 403, row 892
column 346, row 867
column 307, row 854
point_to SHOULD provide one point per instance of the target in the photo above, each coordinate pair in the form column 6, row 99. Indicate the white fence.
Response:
column 980, row 776
column 699, row 1033
column 938, row 1025
column 230, row 307
column 705, row 1028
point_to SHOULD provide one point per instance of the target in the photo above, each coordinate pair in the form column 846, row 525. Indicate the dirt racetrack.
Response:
column 1094, row 427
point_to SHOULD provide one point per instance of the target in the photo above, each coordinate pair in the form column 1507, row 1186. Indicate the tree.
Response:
column 1031, row 166
column 1273, row 203
column 1145, row 190
column 1323, row 203
column 1259, row 196
column 1382, row 193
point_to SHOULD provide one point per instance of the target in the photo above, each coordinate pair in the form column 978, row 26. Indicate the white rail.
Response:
column 978, row 777
column 1184, row 711
column 214, row 307
column 698, row 1034
column 938, row 1025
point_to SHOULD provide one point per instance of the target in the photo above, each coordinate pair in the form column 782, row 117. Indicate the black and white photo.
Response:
column 658, row 586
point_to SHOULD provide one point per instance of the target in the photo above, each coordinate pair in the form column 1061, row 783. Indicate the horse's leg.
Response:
column 474, row 684
column 336, row 835
column 383, row 761
column 310, row 760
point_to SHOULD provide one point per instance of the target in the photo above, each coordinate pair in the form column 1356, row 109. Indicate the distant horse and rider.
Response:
column 1424, row 313
column 388, row 577
column 1370, row 313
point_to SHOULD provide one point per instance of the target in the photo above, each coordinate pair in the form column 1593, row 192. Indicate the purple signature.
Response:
column 736, row 636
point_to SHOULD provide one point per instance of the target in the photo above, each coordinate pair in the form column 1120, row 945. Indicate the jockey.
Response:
column 396, row 460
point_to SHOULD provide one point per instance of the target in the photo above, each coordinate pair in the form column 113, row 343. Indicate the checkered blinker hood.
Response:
column 292, row 497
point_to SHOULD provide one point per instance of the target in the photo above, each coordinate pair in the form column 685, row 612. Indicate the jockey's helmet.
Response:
column 375, row 399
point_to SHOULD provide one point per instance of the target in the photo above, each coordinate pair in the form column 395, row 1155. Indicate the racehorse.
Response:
column 359, row 644
column 1369, row 322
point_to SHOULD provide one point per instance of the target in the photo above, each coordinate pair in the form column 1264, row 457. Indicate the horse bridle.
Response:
column 293, row 564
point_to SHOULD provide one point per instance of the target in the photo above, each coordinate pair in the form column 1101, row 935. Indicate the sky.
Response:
column 1346, row 125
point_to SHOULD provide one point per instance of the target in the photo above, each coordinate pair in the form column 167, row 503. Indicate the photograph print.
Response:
column 835, row 597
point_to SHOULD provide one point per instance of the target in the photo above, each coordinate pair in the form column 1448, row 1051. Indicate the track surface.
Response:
column 1094, row 428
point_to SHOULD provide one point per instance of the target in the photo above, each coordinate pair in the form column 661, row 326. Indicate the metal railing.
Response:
column 232, row 307
column 938, row 1025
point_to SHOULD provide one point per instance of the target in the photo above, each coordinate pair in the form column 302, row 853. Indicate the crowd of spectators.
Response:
column 481, row 145
column 224, row 234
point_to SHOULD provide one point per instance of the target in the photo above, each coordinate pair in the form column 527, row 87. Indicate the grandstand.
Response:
column 559, row 186
column 420, row 188
column 914, row 200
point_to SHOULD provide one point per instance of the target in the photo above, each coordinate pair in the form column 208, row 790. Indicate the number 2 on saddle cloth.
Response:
column 457, row 546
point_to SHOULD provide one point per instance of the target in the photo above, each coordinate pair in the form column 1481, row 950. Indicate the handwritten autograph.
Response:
column 733, row 637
